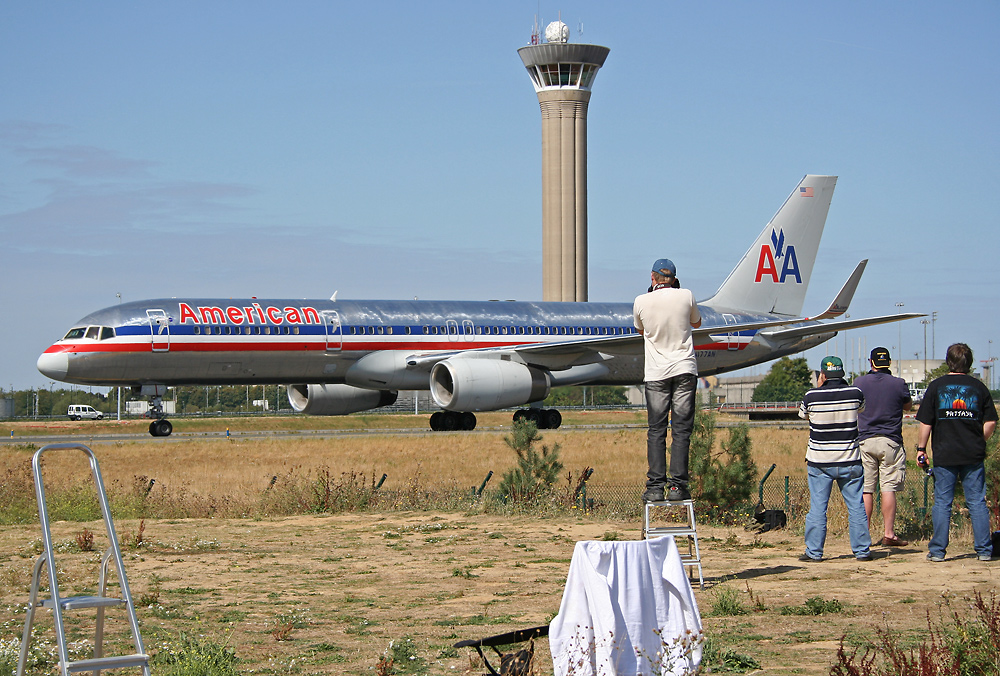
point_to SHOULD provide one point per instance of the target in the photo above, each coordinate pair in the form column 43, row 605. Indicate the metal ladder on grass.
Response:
column 677, row 519
column 58, row 604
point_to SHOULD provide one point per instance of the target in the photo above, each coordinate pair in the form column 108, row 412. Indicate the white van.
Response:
column 80, row 412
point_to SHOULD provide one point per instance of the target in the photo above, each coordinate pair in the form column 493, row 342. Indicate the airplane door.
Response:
column 468, row 330
column 332, row 328
column 732, row 339
column 159, row 330
column 452, row 329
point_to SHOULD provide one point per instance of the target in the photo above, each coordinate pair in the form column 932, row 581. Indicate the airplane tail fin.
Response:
column 774, row 274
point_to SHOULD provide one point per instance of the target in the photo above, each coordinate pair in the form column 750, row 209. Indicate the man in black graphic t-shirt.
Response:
column 958, row 415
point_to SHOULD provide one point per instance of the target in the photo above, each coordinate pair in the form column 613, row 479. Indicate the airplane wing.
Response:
column 833, row 327
column 568, row 353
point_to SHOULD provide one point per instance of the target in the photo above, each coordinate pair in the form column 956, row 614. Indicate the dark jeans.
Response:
column 973, row 478
column 672, row 398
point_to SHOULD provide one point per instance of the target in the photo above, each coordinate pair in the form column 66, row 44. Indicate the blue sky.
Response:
column 392, row 150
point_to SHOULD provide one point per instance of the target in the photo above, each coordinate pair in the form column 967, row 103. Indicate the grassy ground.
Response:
column 332, row 594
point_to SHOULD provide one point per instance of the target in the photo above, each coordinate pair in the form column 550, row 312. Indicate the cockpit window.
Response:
column 107, row 332
column 93, row 332
column 75, row 333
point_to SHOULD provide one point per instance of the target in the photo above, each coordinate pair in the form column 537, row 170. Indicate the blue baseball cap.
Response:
column 665, row 266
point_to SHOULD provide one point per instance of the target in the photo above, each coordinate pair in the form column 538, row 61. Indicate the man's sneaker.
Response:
column 935, row 558
column 985, row 557
column 653, row 495
column 675, row 494
column 865, row 557
column 809, row 559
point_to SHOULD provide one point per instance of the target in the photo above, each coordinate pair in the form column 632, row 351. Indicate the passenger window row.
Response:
column 106, row 332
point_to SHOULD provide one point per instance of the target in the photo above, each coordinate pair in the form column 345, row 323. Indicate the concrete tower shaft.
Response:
column 562, row 74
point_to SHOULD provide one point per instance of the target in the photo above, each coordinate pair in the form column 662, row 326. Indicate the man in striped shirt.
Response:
column 834, row 456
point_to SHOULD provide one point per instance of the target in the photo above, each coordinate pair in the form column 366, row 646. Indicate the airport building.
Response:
column 563, row 74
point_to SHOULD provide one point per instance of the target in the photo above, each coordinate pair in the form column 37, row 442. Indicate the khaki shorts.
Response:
column 884, row 462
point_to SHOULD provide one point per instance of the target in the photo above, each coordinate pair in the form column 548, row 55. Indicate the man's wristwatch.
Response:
column 921, row 449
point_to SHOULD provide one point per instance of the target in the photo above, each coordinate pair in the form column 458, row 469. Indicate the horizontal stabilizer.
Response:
column 833, row 327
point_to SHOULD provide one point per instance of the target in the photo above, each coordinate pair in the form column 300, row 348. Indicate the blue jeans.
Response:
column 671, row 399
column 850, row 479
column 973, row 478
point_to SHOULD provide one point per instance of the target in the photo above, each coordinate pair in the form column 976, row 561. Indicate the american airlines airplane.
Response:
column 343, row 356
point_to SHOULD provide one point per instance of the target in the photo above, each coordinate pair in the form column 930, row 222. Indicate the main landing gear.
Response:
column 449, row 421
column 544, row 418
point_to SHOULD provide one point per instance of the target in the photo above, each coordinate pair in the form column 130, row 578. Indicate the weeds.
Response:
column 727, row 602
column 190, row 656
column 958, row 646
column 85, row 540
column 815, row 605
column 719, row 659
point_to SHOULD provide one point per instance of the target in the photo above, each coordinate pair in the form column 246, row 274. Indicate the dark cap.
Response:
column 832, row 367
column 665, row 266
column 880, row 358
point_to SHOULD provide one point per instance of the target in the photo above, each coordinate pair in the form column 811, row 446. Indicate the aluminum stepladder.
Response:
column 59, row 604
column 678, row 520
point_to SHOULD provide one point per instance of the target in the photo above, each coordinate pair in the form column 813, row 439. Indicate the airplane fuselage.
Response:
column 226, row 341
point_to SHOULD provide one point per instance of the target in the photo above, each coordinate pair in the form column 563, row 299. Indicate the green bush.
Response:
column 723, row 483
column 535, row 473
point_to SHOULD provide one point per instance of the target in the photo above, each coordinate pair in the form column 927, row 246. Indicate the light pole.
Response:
column 925, row 322
column 899, row 343
column 933, row 335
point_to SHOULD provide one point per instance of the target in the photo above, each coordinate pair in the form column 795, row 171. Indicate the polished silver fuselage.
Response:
column 251, row 341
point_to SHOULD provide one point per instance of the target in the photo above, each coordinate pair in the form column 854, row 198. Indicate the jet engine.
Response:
column 486, row 384
column 337, row 399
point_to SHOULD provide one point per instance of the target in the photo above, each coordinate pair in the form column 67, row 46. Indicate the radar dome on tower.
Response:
column 557, row 31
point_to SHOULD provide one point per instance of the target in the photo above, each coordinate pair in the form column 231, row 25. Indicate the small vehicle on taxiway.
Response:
column 84, row 412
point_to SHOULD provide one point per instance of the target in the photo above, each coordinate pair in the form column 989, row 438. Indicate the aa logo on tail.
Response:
column 778, row 252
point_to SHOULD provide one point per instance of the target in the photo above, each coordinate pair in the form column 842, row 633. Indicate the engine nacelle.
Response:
column 336, row 399
column 486, row 384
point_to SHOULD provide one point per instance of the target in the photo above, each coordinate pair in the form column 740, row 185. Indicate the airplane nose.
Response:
column 53, row 365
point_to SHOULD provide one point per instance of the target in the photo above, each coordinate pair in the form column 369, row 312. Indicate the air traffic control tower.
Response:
column 563, row 74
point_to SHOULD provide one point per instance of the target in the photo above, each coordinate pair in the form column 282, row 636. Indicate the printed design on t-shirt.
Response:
column 958, row 402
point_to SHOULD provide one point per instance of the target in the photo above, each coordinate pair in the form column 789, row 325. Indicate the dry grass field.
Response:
column 334, row 593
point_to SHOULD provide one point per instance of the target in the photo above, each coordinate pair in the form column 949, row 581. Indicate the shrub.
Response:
column 535, row 472
column 723, row 481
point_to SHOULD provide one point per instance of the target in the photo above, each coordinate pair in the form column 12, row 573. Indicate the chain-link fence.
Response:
column 790, row 494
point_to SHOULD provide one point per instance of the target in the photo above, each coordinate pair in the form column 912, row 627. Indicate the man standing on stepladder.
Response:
column 666, row 315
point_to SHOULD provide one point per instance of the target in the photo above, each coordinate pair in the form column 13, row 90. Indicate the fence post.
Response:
column 482, row 486
column 927, row 478
column 760, row 491
column 788, row 502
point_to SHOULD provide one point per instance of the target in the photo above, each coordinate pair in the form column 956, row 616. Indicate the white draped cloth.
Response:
column 628, row 609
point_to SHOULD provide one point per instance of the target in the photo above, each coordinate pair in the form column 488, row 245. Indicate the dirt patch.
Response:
column 329, row 594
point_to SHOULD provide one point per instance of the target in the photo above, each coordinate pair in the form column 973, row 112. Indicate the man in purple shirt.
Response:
column 880, row 430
